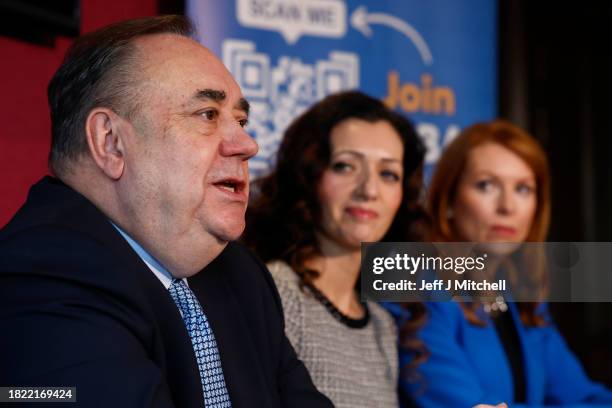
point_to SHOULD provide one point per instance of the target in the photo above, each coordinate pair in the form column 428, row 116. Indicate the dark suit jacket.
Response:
column 79, row 308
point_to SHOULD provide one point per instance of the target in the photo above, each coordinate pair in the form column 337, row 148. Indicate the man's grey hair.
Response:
column 98, row 71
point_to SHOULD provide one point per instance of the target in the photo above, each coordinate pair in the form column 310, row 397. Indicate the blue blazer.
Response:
column 468, row 364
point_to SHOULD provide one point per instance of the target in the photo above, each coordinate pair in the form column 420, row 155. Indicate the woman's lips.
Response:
column 503, row 231
column 361, row 213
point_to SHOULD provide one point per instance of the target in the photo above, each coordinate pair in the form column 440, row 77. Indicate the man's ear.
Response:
column 105, row 144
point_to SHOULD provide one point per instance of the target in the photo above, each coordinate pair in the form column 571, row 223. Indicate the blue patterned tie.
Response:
column 204, row 345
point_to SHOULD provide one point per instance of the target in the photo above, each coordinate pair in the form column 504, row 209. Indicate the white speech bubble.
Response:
column 294, row 18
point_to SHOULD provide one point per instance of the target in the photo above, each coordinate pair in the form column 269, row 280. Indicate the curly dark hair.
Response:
column 287, row 210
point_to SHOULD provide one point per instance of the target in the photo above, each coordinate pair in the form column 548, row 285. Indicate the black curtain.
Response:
column 555, row 80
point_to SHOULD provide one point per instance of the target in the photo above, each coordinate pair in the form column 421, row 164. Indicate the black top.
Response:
column 506, row 330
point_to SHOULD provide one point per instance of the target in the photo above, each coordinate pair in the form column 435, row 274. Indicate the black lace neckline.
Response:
column 337, row 314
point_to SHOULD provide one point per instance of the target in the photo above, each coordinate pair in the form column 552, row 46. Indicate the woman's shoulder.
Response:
column 400, row 312
column 396, row 310
column 286, row 279
column 381, row 314
column 293, row 300
column 282, row 272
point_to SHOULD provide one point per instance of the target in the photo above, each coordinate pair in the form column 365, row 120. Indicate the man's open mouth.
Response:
column 231, row 185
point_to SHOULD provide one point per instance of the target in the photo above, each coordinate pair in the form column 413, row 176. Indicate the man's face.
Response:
column 185, row 179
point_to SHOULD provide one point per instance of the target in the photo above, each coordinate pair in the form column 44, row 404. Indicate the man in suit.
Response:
column 118, row 276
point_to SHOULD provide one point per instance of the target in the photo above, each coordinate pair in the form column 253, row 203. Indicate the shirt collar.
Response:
column 156, row 267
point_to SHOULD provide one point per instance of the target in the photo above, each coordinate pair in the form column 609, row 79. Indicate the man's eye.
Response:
column 243, row 122
column 210, row 114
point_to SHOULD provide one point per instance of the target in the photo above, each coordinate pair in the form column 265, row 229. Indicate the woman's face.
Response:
column 361, row 189
column 496, row 197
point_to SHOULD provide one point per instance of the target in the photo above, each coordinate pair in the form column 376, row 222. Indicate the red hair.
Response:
column 450, row 168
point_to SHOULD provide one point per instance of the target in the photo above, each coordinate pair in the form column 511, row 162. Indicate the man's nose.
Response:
column 237, row 142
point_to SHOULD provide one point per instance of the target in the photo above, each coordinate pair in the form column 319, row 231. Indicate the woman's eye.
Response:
column 243, row 122
column 341, row 167
column 484, row 185
column 390, row 175
column 524, row 189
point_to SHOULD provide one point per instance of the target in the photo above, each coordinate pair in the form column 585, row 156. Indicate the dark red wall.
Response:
column 25, row 70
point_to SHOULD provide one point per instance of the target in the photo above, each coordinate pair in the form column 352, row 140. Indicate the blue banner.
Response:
column 434, row 61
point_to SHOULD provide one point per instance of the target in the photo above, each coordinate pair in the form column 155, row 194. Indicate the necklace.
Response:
column 337, row 314
column 499, row 305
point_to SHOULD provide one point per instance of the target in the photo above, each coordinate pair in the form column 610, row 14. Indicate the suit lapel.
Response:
column 243, row 374
column 174, row 351
column 171, row 348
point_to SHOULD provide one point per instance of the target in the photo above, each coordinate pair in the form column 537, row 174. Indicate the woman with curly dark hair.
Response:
column 349, row 170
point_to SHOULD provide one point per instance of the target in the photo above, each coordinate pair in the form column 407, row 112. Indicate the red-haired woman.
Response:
column 491, row 186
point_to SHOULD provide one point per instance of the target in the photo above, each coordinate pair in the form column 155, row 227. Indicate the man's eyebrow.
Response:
column 243, row 105
column 219, row 96
column 210, row 94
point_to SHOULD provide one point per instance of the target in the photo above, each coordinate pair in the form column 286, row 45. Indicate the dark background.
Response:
column 555, row 80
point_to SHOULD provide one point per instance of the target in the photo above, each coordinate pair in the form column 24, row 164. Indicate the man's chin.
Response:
column 229, row 233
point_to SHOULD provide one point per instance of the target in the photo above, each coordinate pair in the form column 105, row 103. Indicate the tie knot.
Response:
column 184, row 298
column 177, row 282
